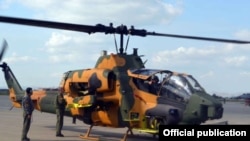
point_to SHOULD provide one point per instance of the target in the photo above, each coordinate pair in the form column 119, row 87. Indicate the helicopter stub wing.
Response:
column 123, row 30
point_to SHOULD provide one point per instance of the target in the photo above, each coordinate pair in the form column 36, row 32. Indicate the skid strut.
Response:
column 86, row 135
column 126, row 134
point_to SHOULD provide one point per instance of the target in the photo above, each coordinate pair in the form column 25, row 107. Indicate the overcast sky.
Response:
column 39, row 56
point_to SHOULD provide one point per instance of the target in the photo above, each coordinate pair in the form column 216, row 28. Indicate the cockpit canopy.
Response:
column 170, row 84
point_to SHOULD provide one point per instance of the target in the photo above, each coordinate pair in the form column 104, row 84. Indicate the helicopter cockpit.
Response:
column 179, row 86
column 170, row 84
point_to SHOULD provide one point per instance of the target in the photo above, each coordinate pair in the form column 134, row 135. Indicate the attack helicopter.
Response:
column 116, row 92
column 245, row 97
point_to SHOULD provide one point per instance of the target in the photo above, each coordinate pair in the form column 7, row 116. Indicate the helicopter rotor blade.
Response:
column 199, row 38
column 4, row 47
column 106, row 29
column 56, row 25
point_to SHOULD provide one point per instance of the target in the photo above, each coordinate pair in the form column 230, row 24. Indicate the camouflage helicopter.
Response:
column 117, row 91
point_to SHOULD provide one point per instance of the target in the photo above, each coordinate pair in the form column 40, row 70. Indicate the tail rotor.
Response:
column 4, row 47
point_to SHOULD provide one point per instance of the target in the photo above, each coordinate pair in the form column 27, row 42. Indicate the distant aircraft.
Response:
column 246, row 97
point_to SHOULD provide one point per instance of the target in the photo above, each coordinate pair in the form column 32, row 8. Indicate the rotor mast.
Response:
column 121, row 43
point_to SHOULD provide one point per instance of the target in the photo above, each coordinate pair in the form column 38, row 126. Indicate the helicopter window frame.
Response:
column 171, row 89
column 149, row 72
column 142, row 82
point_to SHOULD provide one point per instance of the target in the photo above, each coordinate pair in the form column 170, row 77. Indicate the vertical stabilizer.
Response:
column 15, row 90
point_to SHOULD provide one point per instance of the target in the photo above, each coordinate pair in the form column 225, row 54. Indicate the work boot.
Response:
column 26, row 139
column 59, row 135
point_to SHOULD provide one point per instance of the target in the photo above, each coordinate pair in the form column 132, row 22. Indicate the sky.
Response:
column 39, row 56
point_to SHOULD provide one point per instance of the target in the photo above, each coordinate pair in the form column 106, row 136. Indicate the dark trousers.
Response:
column 26, row 125
column 59, row 122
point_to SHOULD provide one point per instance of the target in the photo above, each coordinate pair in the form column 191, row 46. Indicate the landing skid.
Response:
column 87, row 137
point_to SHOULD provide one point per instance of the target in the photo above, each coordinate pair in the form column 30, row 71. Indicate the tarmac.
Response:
column 43, row 125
